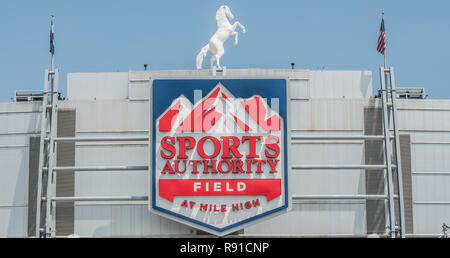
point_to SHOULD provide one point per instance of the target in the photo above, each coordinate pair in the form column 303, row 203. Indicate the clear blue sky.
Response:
column 104, row 36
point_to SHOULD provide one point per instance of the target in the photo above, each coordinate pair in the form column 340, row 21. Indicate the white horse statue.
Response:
column 224, row 31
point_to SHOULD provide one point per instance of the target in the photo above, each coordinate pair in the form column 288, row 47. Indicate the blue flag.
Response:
column 52, row 40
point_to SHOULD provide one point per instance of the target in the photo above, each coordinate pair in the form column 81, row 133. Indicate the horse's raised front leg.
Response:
column 240, row 26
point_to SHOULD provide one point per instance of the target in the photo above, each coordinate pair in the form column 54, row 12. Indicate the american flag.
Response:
column 381, row 48
column 52, row 40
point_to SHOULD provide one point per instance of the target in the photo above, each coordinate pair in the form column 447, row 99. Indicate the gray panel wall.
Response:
column 428, row 123
column 134, row 85
column 17, row 123
column 65, row 182
column 405, row 152
column 376, row 220
column 375, row 179
column 33, row 185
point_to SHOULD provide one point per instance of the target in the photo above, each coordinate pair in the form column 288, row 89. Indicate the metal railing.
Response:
column 50, row 200
column 411, row 93
column 28, row 95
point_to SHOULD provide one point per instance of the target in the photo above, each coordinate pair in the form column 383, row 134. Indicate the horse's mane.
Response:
column 220, row 14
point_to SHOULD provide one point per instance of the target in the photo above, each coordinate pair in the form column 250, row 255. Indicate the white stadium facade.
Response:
column 342, row 176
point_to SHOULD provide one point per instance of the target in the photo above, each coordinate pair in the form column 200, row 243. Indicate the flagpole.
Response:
column 52, row 72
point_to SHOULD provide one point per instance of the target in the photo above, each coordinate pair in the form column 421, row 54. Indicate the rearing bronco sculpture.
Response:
column 224, row 31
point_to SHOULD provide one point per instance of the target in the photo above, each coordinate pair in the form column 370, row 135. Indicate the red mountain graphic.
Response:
column 218, row 106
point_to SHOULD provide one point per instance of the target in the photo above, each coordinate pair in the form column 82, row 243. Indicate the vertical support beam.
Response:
column 387, row 152
column 42, row 154
column 49, row 222
column 397, row 153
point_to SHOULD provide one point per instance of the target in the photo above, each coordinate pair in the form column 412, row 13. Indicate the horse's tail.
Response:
column 201, row 55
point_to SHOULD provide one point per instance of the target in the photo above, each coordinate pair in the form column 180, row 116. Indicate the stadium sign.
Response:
column 219, row 158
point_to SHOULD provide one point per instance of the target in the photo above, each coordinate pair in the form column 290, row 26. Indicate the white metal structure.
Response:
column 48, row 157
column 47, row 149
column 47, row 160
column 392, row 107
column 388, row 165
